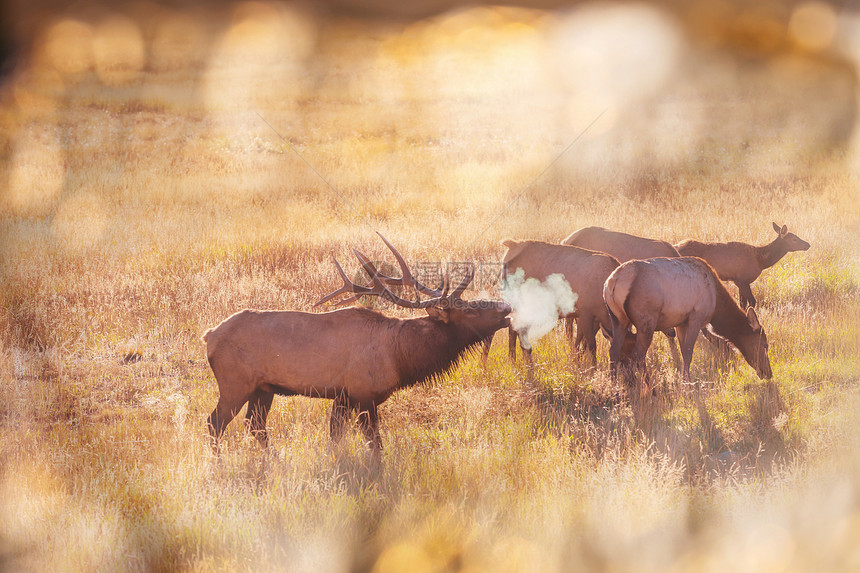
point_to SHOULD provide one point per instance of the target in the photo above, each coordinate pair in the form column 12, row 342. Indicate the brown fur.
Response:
column 682, row 293
column 583, row 269
column 355, row 356
column 742, row 263
column 622, row 246
column 358, row 357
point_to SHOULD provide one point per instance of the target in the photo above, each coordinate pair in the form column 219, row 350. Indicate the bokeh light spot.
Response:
column 178, row 41
column 625, row 52
column 37, row 170
column 813, row 26
column 118, row 50
column 259, row 58
column 68, row 47
column 404, row 557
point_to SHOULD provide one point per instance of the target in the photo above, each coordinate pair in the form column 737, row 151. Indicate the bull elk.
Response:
column 584, row 270
column 742, row 263
column 685, row 294
column 357, row 357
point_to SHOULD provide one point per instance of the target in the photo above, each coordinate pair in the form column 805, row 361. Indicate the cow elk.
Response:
column 584, row 270
column 685, row 294
column 742, row 263
column 624, row 247
column 356, row 357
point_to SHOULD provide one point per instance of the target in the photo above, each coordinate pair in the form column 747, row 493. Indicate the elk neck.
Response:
column 769, row 254
column 729, row 321
column 428, row 348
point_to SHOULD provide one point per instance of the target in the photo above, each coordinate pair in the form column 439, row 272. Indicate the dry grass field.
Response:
column 156, row 177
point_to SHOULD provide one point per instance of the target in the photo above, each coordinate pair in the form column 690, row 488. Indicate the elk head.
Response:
column 790, row 241
column 478, row 317
column 754, row 346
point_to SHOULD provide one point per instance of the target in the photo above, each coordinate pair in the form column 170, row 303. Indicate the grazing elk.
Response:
column 624, row 247
column 682, row 293
column 355, row 356
column 584, row 270
column 741, row 263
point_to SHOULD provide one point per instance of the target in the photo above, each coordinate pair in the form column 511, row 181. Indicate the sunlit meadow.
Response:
column 162, row 169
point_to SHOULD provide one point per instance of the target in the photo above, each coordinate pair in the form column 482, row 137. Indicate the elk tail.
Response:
column 210, row 338
column 615, row 292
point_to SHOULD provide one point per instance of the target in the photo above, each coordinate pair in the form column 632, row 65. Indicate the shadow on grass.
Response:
column 679, row 422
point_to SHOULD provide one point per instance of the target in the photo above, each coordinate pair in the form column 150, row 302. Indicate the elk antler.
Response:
column 379, row 281
column 464, row 284
column 348, row 286
column 407, row 279
column 377, row 288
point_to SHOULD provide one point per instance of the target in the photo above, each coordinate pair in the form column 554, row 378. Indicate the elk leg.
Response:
column 585, row 326
column 673, row 348
column 340, row 409
column 619, row 333
column 526, row 347
column 512, row 344
column 644, row 336
column 746, row 295
column 485, row 354
column 527, row 356
column 368, row 422
column 684, row 334
column 579, row 341
column 687, row 336
column 224, row 412
column 255, row 417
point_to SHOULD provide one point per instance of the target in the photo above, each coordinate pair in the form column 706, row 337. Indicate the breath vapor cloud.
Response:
column 537, row 305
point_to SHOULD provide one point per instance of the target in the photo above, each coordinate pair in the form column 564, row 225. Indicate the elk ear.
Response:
column 437, row 313
column 776, row 227
column 514, row 248
column 752, row 317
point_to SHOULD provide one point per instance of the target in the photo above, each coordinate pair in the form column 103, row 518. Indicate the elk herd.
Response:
column 627, row 288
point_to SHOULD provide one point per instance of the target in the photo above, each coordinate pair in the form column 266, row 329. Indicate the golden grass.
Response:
column 142, row 205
